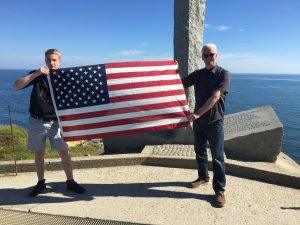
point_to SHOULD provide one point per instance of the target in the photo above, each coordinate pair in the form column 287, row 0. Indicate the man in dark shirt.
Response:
column 43, row 123
column 211, row 85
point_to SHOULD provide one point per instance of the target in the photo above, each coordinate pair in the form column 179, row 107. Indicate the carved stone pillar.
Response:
column 188, row 36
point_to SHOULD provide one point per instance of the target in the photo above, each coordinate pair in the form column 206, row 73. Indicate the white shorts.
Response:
column 39, row 130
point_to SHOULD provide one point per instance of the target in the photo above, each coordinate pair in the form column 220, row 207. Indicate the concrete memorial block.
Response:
column 253, row 135
column 136, row 143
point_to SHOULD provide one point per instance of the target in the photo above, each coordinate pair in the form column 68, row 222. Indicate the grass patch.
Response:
column 22, row 153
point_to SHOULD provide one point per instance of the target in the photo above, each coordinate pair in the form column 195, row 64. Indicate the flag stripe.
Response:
column 118, row 105
column 123, row 121
column 143, row 84
column 126, row 127
column 109, row 117
column 122, row 110
column 155, row 90
column 145, row 96
column 127, row 132
column 142, row 78
column 140, row 64
column 140, row 69
column 112, row 76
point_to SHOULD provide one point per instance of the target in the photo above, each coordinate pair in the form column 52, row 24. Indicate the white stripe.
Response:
column 143, row 90
column 120, row 105
column 141, row 79
column 124, row 116
column 125, row 127
column 140, row 69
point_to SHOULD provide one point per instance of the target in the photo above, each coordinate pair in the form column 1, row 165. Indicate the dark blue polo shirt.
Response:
column 205, row 83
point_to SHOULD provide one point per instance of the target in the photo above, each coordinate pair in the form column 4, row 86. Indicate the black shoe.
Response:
column 39, row 187
column 73, row 186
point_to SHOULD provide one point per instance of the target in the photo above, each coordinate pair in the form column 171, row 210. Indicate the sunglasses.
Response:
column 209, row 55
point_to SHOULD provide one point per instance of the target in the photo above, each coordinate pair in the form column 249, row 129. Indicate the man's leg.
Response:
column 200, row 144
column 36, row 142
column 216, row 141
column 40, row 164
column 66, row 163
column 57, row 142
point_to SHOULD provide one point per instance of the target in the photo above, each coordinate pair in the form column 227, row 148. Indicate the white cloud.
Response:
column 163, row 56
column 238, row 55
column 222, row 28
column 219, row 27
column 128, row 53
column 143, row 44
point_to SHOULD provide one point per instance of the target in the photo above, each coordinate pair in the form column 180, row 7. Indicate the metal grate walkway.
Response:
column 12, row 217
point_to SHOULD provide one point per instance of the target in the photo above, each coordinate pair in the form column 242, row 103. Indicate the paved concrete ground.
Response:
column 136, row 188
column 152, row 195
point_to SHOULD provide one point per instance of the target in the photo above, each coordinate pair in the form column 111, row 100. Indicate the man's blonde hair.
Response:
column 52, row 51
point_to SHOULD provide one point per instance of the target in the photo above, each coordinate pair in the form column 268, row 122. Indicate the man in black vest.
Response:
column 211, row 85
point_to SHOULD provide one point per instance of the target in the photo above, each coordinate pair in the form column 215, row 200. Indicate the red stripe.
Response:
column 128, row 132
column 142, row 84
column 120, row 122
column 111, row 76
column 138, row 64
column 133, row 97
column 123, row 110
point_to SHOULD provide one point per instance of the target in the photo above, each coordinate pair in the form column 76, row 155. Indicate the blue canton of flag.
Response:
column 79, row 86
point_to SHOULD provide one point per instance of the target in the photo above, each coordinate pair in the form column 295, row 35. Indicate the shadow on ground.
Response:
column 56, row 193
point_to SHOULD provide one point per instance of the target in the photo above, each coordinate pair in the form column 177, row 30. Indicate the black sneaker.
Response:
column 39, row 187
column 73, row 186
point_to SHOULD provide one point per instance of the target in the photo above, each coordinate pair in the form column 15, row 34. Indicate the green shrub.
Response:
column 6, row 144
column 21, row 151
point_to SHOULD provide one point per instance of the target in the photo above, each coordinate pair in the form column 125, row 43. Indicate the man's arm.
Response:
column 24, row 81
column 207, row 106
column 189, row 80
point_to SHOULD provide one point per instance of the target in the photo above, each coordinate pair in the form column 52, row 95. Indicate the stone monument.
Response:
column 188, row 35
column 253, row 135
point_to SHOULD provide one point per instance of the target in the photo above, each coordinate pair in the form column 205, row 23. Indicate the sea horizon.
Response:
column 234, row 73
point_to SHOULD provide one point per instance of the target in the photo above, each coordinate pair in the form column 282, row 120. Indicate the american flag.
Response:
column 113, row 99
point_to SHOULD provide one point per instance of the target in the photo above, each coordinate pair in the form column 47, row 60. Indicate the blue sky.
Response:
column 253, row 36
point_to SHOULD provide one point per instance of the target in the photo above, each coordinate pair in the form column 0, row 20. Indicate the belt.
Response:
column 42, row 118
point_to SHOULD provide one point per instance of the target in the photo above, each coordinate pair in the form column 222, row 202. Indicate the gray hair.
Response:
column 210, row 46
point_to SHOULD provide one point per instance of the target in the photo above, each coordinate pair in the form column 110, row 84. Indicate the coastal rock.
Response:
column 253, row 135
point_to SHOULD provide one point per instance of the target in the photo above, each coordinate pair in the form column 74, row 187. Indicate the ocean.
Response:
column 248, row 91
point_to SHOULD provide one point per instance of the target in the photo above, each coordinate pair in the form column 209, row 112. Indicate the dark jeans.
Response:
column 214, row 134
